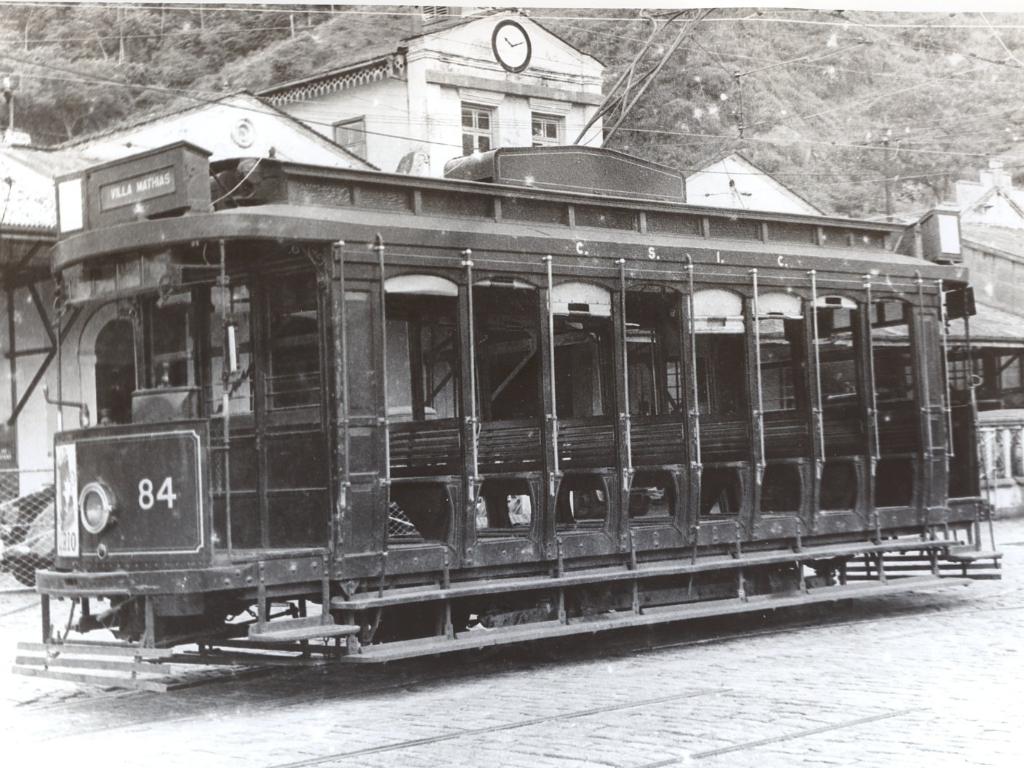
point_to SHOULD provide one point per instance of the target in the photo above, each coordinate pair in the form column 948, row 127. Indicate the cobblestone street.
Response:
column 927, row 679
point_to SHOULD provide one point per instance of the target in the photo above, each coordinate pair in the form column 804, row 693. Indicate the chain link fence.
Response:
column 26, row 526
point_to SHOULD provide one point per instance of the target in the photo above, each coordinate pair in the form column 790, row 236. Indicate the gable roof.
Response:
column 244, row 102
column 718, row 176
column 378, row 62
column 31, row 205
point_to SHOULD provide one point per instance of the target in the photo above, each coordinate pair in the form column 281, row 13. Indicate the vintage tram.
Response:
column 541, row 398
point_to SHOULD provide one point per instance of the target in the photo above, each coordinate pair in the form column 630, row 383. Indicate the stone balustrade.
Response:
column 1001, row 459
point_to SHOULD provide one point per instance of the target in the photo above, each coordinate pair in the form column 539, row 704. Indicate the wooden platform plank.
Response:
column 142, row 668
column 108, row 681
column 970, row 554
column 96, row 649
column 680, row 567
column 298, row 634
column 478, row 639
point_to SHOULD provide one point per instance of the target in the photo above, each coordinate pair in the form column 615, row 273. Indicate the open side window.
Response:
column 583, row 350
column 422, row 344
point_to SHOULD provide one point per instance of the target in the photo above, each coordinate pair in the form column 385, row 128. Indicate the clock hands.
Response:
column 513, row 45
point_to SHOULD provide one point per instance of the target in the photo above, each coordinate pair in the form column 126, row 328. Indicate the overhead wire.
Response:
column 696, row 135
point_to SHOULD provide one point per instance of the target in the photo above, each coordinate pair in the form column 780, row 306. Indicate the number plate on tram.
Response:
column 155, row 488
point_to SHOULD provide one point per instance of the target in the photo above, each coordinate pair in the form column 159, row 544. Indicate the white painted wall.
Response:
column 753, row 189
column 418, row 115
column 383, row 104
column 212, row 128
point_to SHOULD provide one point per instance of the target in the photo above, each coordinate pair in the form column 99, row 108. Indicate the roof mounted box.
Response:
column 576, row 169
column 940, row 235
column 162, row 182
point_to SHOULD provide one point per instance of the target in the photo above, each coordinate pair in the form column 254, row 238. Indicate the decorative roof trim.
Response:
column 391, row 66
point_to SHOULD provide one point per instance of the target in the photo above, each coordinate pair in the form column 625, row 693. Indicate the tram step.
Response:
column 424, row 594
column 485, row 638
column 967, row 553
column 112, row 665
column 297, row 630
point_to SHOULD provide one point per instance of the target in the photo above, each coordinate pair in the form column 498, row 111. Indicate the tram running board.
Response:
column 103, row 664
column 298, row 630
column 486, row 638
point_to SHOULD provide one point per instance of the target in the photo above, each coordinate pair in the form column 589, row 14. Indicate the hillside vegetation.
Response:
column 832, row 103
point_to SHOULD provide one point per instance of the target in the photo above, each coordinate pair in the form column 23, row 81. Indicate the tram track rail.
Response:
column 491, row 729
column 382, row 680
column 768, row 741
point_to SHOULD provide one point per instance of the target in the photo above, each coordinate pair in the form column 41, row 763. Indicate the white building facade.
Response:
column 469, row 84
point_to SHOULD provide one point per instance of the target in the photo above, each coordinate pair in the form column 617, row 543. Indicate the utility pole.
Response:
column 886, row 135
column 8, row 86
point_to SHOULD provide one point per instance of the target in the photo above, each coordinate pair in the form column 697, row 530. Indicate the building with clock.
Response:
column 465, row 81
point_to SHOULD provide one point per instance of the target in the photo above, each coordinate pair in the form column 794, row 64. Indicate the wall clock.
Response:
column 511, row 45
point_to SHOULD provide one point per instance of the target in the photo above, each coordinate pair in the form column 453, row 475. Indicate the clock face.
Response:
column 512, row 47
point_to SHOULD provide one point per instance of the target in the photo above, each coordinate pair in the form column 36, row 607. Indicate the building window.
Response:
column 1011, row 372
column 547, row 130
column 476, row 129
column 351, row 134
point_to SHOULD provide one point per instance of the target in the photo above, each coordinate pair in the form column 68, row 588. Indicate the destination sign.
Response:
column 137, row 189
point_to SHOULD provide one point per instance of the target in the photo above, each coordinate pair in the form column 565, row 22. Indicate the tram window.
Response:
column 239, row 310
column 837, row 352
column 419, row 512
column 507, row 353
column 651, row 496
column 506, row 506
column 171, row 344
column 293, row 344
column 583, row 350
column 654, row 352
column 894, row 482
column 720, row 492
column 721, row 353
column 582, row 502
column 782, row 364
column 115, row 372
column 781, row 336
column 721, row 379
column 893, row 361
column 422, row 357
column 839, row 485
column 781, row 488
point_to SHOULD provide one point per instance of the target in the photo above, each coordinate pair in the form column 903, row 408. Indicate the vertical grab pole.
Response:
column 819, row 411
column 760, row 385
column 989, row 481
column 624, row 416
column 926, row 406
column 553, row 416
column 696, row 465
column 948, row 402
column 692, row 327
column 378, row 246
column 876, row 448
column 473, row 419
column 341, row 386
column 225, row 385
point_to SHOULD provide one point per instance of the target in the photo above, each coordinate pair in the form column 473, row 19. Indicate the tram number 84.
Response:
column 165, row 493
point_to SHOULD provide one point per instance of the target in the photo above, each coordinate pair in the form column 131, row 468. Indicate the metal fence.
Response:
column 26, row 526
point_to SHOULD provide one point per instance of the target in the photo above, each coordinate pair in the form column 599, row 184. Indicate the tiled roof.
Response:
column 992, row 326
column 26, row 202
column 1009, row 242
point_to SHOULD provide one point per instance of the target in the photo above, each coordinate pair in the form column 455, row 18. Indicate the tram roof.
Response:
column 282, row 222
column 162, row 198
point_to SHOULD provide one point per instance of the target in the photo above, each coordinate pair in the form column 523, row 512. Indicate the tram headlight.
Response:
column 96, row 504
